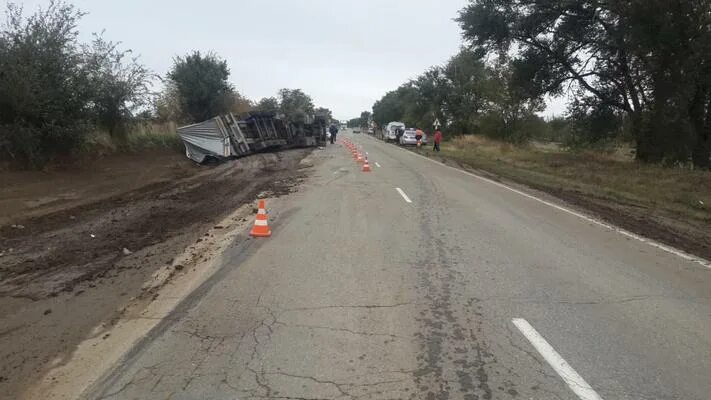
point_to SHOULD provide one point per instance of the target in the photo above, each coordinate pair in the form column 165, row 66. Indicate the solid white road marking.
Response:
column 404, row 196
column 671, row 250
column 576, row 382
column 377, row 165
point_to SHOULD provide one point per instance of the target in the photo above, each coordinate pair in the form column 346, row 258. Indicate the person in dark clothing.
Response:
column 398, row 132
column 437, row 140
column 333, row 130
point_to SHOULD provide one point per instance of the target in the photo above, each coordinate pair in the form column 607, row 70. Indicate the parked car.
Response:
column 356, row 129
column 408, row 138
column 390, row 131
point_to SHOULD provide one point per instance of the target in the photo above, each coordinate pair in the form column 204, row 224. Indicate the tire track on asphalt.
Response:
column 454, row 357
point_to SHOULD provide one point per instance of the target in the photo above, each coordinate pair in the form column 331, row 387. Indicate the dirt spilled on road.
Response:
column 64, row 272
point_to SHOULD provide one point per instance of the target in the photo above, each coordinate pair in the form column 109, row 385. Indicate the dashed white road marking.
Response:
column 671, row 250
column 404, row 196
column 576, row 382
column 377, row 165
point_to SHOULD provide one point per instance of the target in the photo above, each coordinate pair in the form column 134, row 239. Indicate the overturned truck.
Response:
column 227, row 136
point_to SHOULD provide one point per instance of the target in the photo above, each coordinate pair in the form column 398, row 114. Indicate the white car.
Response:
column 408, row 138
column 390, row 131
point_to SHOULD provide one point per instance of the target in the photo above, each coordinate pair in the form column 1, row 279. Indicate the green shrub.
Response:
column 43, row 109
column 56, row 90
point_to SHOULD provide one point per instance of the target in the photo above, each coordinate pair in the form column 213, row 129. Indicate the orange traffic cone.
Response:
column 359, row 160
column 261, row 226
column 366, row 166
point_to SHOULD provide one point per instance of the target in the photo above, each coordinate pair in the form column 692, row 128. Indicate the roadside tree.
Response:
column 202, row 82
column 267, row 104
column 44, row 101
column 365, row 117
column 295, row 104
column 647, row 60
column 241, row 104
column 119, row 85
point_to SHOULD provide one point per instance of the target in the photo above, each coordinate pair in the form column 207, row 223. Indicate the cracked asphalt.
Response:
column 360, row 295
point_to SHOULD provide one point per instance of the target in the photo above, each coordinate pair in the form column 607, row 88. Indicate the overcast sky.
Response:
column 345, row 53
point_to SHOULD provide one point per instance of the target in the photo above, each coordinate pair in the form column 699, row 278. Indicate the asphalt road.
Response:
column 469, row 291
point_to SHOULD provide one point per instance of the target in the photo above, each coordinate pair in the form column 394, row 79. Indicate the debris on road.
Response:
column 86, row 279
column 307, row 162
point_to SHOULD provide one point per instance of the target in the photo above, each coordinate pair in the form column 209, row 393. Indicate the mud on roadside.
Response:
column 64, row 273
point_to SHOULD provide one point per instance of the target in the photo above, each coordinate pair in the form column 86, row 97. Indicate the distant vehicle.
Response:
column 343, row 127
column 390, row 131
column 356, row 129
column 408, row 138
column 371, row 131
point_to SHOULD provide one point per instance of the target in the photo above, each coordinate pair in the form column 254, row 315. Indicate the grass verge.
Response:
column 596, row 174
column 139, row 138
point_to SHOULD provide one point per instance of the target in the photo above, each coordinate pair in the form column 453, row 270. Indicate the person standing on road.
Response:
column 418, row 136
column 333, row 130
column 437, row 140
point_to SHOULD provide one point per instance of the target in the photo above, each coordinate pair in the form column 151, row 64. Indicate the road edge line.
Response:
column 651, row 242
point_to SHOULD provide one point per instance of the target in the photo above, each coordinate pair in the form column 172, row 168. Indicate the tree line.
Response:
column 197, row 88
column 55, row 91
column 361, row 122
column 640, row 69
column 467, row 94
